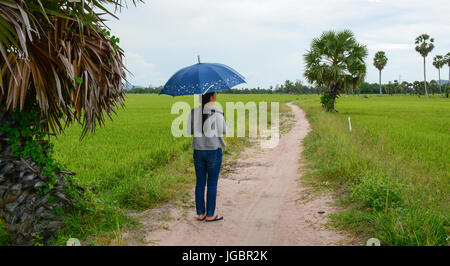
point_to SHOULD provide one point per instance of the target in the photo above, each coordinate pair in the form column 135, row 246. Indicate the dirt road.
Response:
column 261, row 200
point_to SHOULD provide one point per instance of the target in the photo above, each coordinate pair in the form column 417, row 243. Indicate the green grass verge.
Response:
column 391, row 171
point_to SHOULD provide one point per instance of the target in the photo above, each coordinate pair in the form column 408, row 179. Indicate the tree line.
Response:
column 297, row 87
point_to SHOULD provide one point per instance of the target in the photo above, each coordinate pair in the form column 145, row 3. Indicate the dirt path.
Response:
column 261, row 201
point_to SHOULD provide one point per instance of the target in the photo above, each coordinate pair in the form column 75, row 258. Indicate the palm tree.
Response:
column 335, row 60
column 424, row 47
column 379, row 61
column 59, row 64
column 447, row 61
column 439, row 62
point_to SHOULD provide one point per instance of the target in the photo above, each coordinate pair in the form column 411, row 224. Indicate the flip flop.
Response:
column 204, row 217
column 215, row 219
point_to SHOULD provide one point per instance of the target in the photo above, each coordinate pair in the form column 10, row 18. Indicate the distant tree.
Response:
column 439, row 62
column 433, row 86
column 424, row 45
column 389, row 87
column 379, row 61
column 330, row 60
column 405, row 86
column 417, row 86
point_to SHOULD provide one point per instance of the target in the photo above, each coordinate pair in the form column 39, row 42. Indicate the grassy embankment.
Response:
column 391, row 171
column 134, row 162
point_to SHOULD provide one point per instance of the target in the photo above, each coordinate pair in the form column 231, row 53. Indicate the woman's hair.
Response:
column 205, row 99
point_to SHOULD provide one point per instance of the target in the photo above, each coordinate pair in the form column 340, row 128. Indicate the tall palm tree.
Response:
column 335, row 60
column 59, row 64
column 424, row 45
column 447, row 61
column 439, row 62
column 379, row 61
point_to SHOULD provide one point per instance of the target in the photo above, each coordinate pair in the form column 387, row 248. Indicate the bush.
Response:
column 327, row 101
column 377, row 193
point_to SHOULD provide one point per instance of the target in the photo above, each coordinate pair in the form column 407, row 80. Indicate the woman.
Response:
column 207, row 124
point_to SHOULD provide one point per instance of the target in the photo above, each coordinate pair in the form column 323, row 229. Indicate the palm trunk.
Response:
column 425, row 77
column 439, row 75
column 381, row 92
column 25, row 210
column 334, row 93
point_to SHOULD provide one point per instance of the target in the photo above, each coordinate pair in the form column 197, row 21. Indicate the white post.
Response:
column 349, row 124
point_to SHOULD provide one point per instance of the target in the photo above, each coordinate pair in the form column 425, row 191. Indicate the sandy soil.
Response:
column 261, row 199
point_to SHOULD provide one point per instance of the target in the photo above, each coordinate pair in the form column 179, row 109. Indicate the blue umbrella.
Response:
column 202, row 78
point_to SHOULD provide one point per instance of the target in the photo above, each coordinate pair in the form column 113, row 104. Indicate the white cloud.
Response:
column 141, row 71
column 268, row 37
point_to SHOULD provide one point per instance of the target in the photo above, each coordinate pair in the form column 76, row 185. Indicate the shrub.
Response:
column 327, row 102
column 377, row 193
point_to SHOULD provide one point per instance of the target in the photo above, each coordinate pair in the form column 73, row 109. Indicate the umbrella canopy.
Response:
column 202, row 78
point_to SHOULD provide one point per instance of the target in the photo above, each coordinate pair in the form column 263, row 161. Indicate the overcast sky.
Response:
column 264, row 40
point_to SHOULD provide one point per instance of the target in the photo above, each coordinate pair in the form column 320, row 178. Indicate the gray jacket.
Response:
column 213, row 129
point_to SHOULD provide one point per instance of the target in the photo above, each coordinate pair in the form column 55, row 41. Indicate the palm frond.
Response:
column 55, row 55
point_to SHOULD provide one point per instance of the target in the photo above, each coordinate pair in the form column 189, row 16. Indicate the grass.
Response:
column 133, row 162
column 391, row 171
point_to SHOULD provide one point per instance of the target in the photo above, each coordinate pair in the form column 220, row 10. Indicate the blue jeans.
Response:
column 207, row 168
